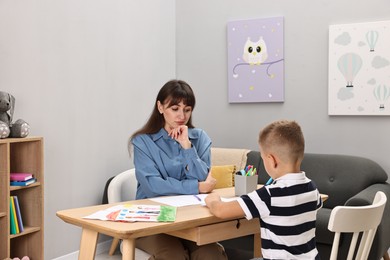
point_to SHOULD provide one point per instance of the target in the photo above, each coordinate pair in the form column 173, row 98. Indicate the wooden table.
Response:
column 194, row 223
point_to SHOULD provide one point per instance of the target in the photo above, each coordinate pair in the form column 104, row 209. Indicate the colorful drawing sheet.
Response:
column 133, row 212
column 149, row 213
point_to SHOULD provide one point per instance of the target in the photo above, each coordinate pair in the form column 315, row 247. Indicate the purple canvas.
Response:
column 256, row 60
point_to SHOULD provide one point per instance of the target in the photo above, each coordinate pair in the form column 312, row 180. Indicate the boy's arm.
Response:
column 220, row 209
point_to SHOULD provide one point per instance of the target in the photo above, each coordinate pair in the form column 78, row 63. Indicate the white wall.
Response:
column 84, row 75
column 202, row 60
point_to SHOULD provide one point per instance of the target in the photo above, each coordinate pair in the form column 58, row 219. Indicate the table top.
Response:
column 186, row 217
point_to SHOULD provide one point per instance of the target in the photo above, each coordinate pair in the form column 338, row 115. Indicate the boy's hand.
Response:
column 207, row 185
column 211, row 198
column 220, row 209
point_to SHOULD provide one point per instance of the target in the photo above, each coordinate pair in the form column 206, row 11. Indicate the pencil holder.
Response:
column 244, row 184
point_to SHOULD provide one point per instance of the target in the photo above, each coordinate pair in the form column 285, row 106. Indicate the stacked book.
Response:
column 16, row 223
column 21, row 179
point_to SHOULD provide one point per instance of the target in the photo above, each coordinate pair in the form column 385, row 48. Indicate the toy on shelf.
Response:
column 19, row 128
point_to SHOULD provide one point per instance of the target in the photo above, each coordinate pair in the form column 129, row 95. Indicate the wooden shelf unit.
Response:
column 22, row 155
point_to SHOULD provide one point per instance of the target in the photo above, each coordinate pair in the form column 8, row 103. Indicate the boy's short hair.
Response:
column 285, row 139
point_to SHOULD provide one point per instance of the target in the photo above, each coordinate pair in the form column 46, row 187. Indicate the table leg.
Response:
column 128, row 250
column 257, row 245
column 88, row 244
column 114, row 245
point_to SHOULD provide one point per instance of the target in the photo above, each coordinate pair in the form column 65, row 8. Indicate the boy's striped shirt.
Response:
column 287, row 210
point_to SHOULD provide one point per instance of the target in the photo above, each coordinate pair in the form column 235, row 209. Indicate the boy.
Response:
column 288, row 207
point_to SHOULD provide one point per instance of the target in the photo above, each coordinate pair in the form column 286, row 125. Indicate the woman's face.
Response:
column 174, row 115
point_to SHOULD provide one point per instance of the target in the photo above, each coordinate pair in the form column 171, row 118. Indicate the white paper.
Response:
column 186, row 200
column 181, row 200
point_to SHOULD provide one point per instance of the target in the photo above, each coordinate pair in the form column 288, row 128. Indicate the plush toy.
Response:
column 19, row 128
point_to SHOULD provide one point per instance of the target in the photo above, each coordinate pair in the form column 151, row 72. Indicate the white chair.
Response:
column 123, row 187
column 357, row 220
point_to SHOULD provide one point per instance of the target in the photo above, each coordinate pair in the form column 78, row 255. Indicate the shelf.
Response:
column 35, row 184
column 22, row 155
column 27, row 230
column 21, row 140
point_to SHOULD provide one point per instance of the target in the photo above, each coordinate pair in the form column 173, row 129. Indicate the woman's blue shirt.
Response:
column 163, row 167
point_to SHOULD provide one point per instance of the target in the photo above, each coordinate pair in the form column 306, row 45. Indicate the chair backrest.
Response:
column 123, row 187
column 229, row 156
column 357, row 220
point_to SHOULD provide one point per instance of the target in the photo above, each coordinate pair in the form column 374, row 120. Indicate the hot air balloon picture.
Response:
column 381, row 94
column 359, row 69
column 349, row 65
column 372, row 38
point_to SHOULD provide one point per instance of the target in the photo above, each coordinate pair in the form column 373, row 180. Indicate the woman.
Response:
column 172, row 157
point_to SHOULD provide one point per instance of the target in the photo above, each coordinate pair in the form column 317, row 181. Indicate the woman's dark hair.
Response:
column 172, row 93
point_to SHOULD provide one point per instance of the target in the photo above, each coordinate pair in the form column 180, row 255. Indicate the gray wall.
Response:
column 84, row 75
column 202, row 60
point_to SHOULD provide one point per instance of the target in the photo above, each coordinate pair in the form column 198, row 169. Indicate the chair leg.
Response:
column 114, row 245
column 386, row 256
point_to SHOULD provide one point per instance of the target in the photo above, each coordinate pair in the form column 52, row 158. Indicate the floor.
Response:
column 105, row 256
column 139, row 255
column 117, row 256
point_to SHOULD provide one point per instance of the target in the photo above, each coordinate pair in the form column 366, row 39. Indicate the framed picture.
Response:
column 256, row 60
column 359, row 69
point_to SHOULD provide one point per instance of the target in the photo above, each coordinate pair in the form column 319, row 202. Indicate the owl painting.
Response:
column 255, row 52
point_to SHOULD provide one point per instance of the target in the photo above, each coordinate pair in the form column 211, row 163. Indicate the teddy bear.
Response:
column 19, row 128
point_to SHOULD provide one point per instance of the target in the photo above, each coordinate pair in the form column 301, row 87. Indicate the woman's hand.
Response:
column 208, row 185
column 180, row 134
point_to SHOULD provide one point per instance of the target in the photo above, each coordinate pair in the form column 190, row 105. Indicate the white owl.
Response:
column 255, row 52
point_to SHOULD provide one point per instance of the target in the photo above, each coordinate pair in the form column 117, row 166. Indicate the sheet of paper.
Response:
column 181, row 200
column 136, row 212
column 186, row 200
column 102, row 214
column 149, row 213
